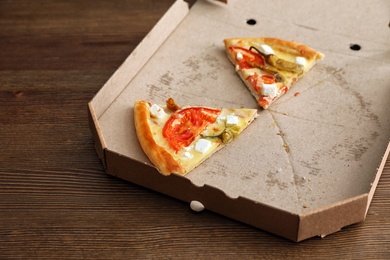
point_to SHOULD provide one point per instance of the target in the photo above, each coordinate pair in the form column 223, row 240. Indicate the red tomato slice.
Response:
column 253, row 82
column 250, row 58
column 268, row 79
column 262, row 102
column 184, row 125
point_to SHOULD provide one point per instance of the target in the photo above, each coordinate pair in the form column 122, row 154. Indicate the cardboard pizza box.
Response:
column 308, row 165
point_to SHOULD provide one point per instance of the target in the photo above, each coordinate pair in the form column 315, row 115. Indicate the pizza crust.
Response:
column 158, row 155
column 283, row 46
column 294, row 48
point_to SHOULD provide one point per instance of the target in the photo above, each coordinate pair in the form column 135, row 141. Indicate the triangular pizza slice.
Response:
column 178, row 139
column 270, row 66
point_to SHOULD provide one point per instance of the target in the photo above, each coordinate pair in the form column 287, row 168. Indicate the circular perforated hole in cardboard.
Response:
column 251, row 21
column 355, row 47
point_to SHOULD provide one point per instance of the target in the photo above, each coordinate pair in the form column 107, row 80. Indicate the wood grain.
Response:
column 57, row 201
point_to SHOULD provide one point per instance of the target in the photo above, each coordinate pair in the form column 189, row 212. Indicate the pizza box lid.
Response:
column 309, row 164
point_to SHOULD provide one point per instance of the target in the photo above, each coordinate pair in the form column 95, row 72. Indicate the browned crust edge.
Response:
column 160, row 157
column 295, row 48
column 302, row 49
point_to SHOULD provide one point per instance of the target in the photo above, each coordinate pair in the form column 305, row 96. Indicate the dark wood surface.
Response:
column 56, row 201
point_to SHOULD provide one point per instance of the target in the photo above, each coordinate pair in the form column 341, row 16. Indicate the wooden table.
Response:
column 56, row 201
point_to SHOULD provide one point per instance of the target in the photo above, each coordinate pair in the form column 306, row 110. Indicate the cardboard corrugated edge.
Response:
column 97, row 135
column 295, row 227
column 332, row 218
column 335, row 216
column 378, row 175
column 265, row 217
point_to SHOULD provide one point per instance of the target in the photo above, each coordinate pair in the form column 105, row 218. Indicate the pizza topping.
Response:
column 274, row 72
column 277, row 62
column 300, row 60
column 239, row 56
column 186, row 124
column 266, row 50
column 227, row 136
column 250, row 59
column 171, row 105
column 268, row 79
column 221, row 118
column 156, row 111
column 283, row 64
column 268, row 90
column 231, row 120
column 188, row 155
column 202, row 145
column 227, row 126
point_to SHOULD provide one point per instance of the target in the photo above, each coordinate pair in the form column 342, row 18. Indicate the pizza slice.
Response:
column 270, row 66
column 178, row 139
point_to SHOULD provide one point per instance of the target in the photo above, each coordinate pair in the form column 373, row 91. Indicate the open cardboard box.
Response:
column 336, row 130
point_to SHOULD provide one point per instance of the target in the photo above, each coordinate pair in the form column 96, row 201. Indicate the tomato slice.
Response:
column 252, row 79
column 250, row 58
column 263, row 102
column 184, row 125
column 268, row 79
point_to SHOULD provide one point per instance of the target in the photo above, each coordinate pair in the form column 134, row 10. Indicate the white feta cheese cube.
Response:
column 237, row 68
column 300, row 61
column 157, row 111
column 266, row 49
column 231, row 120
column 221, row 118
column 268, row 90
column 188, row 155
column 239, row 56
column 202, row 145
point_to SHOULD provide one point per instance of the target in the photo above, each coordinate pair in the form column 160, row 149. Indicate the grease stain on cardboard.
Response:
column 274, row 180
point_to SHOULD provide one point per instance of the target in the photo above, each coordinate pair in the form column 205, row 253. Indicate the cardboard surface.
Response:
column 317, row 151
